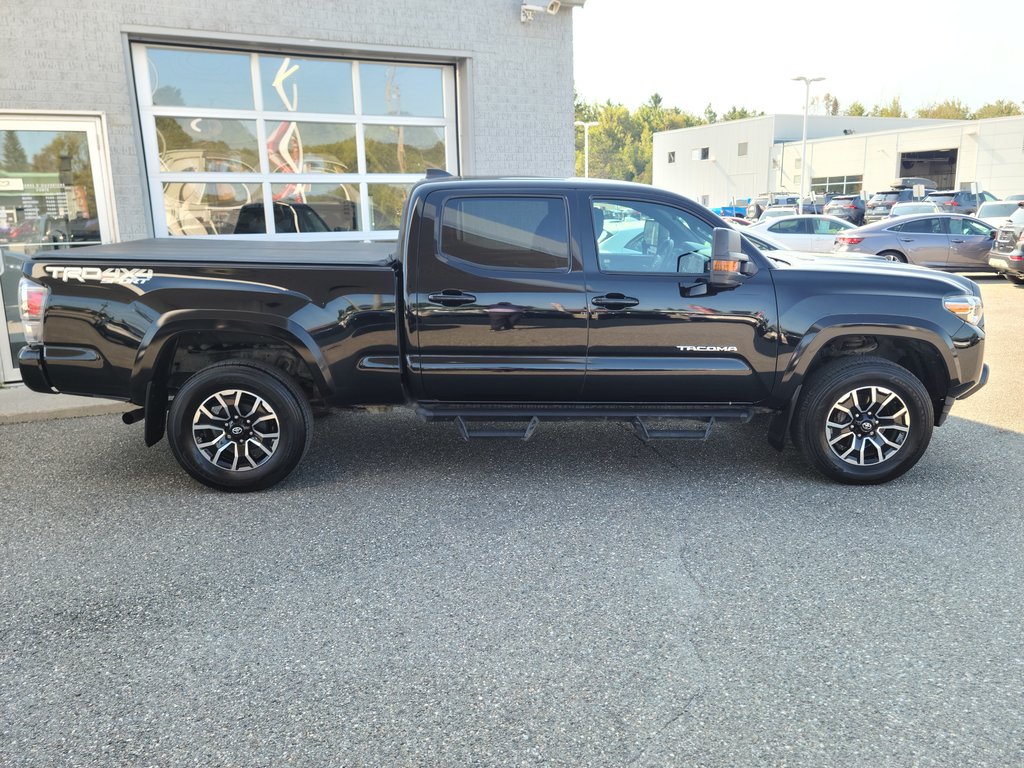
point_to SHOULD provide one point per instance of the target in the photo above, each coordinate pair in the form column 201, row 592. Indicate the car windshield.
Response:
column 1017, row 217
column 941, row 198
column 993, row 210
column 905, row 208
column 885, row 197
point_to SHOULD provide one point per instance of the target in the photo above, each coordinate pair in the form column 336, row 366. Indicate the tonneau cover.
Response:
column 377, row 253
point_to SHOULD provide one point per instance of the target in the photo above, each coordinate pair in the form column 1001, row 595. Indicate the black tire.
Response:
column 224, row 462
column 1015, row 279
column 894, row 443
column 894, row 256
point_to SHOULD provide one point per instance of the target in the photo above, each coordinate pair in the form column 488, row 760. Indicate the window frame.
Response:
column 361, row 179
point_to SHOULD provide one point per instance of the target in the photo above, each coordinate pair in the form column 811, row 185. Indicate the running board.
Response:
column 640, row 417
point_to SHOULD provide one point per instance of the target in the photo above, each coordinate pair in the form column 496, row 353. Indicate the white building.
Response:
column 719, row 163
column 299, row 120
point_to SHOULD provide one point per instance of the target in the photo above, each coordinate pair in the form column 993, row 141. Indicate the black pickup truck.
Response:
column 503, row 304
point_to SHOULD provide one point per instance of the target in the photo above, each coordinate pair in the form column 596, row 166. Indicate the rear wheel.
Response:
column 1016, row 279
column 863, row 420
column 894, row 256
column 239, row 426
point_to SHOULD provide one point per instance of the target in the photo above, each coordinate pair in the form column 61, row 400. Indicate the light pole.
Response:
column 803, row 149
column 586, row 146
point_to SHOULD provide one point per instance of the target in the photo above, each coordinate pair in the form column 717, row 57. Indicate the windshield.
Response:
column 901, row 209
column 1017, row 217
column 885, row 197
column 941, row 199
column 994, row 210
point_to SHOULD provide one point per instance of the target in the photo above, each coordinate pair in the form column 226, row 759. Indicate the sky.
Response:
column 745, row 54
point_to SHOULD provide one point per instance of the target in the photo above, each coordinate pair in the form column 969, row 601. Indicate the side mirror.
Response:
column 728, row 264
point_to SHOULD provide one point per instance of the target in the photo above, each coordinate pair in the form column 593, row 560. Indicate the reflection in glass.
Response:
column 184, row 78
column 207, row 144
column 319, row 207
column 403, row 149
column 312, row 148
column 47, row 203
column 391, row 90
column 213, row 208
column 386, row 201
column 306, row 85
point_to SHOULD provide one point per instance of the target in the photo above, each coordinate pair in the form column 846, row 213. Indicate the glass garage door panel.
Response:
column 47, row 203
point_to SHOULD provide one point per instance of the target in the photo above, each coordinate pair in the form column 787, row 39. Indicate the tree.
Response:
column 15, row 159
column 709, row 114
column 856, row 109
column 831, row 104
column 892, row 109
column 998, row 108
column 740, row 113
column 950, row 109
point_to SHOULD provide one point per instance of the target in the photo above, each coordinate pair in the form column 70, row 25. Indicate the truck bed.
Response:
column 211, row 251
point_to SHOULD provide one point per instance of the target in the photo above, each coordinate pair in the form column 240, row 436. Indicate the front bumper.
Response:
column 33, row 369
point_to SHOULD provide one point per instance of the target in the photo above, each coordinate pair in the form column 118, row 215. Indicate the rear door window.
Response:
column 929, row 226
column 789, row 227
column 507, row 232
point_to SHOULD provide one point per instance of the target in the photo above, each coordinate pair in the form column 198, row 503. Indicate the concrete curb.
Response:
column 20, row 404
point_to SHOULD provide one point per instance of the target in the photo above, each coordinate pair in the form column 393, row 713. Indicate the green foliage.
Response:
column 892, row 109
column 998, row 108
column 950, row 109
column 14, row 158
column 856, row 109
column 831, row 104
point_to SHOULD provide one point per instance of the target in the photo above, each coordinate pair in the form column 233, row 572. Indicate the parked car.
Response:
column 776, row 211
column 997, row 212
column 1007, row 254
column 1014, row 197
column 943, row 241
column 773, row 249
column 881, row 203
column 807, row 232
column 908, row 209
column 759, row 204
column 848, row 207
column 959, row 200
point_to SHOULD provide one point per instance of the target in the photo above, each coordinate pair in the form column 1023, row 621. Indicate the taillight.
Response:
column 953, row 202
column 849, row 239
column 852, row 207
column 32, row 306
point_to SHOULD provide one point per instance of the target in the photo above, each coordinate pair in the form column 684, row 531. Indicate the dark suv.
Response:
column 959, row 200
column 881, row 203
column 849, row 207
column 1007, row 254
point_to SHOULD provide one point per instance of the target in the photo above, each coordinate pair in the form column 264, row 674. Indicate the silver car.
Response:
column 943, row 241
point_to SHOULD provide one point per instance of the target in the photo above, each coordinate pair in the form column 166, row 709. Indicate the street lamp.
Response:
column 586, row 146
column 803, row 149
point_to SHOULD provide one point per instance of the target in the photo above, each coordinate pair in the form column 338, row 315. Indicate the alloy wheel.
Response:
column 236, row 430
column 867, row 426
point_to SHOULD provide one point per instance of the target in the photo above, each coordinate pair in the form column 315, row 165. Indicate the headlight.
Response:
column 967, row 308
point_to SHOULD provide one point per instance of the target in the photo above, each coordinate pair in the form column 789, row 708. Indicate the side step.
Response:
column 640, row 417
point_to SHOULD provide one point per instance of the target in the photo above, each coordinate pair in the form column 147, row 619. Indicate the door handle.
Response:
column 614, row 301
column 955, row 241
column 906, row 239
column 451, row 298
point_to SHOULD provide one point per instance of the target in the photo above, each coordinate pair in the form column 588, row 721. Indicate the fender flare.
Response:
column 158, row 341
column 829, row 328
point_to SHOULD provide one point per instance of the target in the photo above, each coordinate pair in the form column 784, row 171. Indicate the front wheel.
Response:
column 894, row 256
column 863, row 420
column 239, row 426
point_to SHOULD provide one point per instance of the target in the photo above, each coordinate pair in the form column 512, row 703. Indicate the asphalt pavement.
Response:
column 583, row 599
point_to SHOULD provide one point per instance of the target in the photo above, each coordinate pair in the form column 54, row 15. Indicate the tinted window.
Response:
column 921, row 227
column 941, row 199
column 789, row 227
column 885, row 197
column 826, row 227
column 507, row 232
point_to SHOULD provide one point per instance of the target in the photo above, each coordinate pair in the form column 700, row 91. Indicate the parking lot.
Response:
column 406, row 598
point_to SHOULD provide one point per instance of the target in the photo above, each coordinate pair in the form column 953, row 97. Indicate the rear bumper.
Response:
column 1012, row 262
column 33, row 370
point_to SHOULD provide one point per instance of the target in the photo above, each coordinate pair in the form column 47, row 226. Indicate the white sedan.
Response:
column 809, row 232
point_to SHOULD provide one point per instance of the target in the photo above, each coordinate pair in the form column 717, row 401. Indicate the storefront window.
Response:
column 222, row 130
